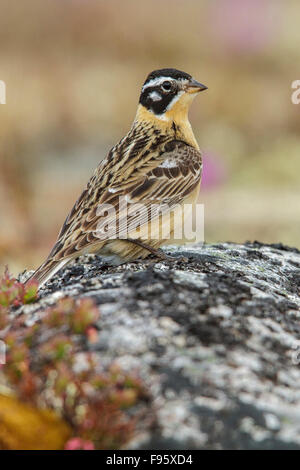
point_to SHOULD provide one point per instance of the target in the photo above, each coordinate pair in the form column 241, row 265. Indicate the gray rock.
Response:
column 216, row 340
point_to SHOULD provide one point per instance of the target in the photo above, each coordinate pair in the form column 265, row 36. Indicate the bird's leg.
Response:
column 158, row 253
column 152, row 250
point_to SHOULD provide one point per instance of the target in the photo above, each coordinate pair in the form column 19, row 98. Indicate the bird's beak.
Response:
column 195, row 87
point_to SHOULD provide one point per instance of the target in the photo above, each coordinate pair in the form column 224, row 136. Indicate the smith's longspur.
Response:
column 157, row 164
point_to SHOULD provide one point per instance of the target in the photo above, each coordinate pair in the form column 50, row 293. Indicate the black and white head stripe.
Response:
column 169, row 73
column 162, row 88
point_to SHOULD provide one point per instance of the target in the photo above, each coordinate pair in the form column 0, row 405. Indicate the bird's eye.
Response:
column 166, row 86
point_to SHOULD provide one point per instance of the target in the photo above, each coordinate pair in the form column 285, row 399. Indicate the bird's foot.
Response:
column 161, row 255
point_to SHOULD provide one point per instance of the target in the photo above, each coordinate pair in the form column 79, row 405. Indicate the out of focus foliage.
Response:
column 24, row 427
column 13, row 294
column 73, row 72
column 53, row 393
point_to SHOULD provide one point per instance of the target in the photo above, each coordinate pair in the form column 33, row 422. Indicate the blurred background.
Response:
column 73, row 71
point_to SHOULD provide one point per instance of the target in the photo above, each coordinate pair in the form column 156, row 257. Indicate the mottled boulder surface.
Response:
column 216, row 339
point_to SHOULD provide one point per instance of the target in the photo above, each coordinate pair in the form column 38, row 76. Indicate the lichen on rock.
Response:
column 215, row 342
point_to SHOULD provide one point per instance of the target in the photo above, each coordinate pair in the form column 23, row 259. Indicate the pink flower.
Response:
column 214, row 171
column 244, row 26
column 76, row 443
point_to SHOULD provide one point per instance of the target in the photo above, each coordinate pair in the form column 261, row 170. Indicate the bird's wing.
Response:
column 152, row 189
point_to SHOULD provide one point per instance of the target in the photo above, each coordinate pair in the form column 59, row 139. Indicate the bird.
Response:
column 157, row 164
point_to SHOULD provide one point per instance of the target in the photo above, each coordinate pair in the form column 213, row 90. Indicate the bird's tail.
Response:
column 47, row 270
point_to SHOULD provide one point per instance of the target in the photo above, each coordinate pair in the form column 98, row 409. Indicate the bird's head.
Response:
column 168, row 93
